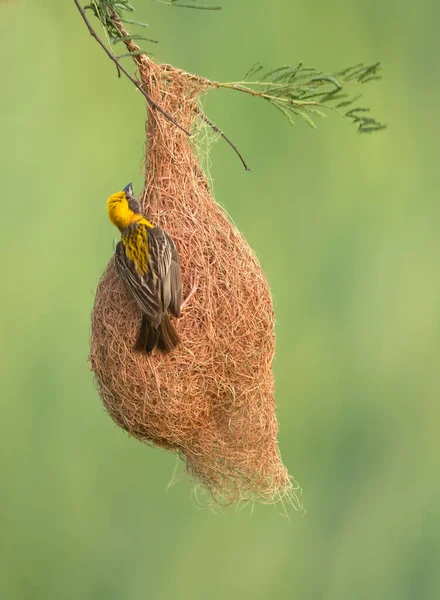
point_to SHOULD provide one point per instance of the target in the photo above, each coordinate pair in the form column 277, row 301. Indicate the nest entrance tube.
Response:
column 212, row 399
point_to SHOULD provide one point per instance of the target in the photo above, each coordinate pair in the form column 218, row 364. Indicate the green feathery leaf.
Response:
column 304, row 91
column 180, row 4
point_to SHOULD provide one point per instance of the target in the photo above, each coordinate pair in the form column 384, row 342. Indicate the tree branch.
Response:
column 126, row 73
column 217, row 130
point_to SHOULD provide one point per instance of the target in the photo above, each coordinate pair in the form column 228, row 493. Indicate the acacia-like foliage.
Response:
column 297, row 91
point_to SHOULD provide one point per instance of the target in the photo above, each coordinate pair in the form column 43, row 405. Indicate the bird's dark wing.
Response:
column 165, row 264
column 175, row 283
column 144, row 289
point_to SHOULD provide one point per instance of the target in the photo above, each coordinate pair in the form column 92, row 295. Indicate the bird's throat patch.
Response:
column 136, row 248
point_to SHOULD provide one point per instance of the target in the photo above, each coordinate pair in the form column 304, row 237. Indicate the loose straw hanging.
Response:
column 212, row 399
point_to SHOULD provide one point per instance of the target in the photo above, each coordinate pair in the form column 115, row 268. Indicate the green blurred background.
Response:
column 346, row 228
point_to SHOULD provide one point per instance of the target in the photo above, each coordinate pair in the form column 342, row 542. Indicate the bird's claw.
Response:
column 194, row 286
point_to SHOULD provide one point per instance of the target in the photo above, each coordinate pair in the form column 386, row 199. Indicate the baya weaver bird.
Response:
column 147, row 261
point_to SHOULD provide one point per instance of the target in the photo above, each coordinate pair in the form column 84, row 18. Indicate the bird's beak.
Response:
column 128, row 190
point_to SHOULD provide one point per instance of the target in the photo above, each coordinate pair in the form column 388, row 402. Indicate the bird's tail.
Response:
column 165, row 337
column 168, row 336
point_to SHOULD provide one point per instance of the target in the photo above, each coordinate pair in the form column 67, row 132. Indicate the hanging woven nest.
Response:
column 212, row 399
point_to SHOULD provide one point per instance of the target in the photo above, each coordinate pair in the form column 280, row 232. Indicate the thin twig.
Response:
column 216, row 129
column 126, row 73
column 270, row 97
column 138, row 85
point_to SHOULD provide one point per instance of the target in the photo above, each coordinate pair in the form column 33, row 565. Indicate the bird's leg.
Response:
column 195, row 283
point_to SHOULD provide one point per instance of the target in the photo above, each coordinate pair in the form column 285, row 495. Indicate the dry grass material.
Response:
column 212, row 399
